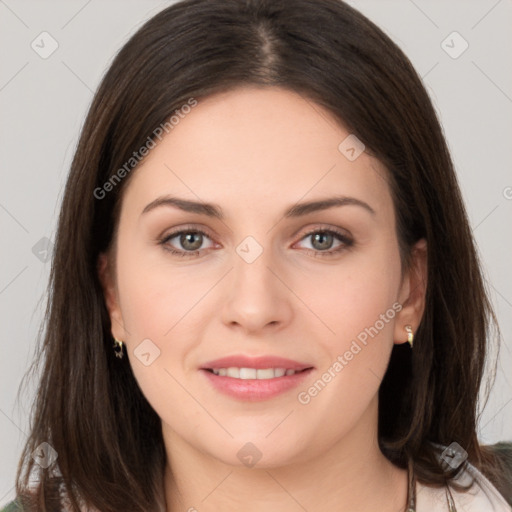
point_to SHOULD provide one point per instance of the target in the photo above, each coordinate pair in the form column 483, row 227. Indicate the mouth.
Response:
column 255, row 379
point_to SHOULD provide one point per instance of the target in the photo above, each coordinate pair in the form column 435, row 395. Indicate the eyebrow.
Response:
column 297, row 210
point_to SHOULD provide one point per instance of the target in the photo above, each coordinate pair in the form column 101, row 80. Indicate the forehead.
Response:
column 258, row 144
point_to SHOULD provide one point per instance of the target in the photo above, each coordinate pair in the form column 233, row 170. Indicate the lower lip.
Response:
column 255, row 390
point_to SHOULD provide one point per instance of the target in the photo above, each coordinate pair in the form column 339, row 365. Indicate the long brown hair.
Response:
column 89, row 407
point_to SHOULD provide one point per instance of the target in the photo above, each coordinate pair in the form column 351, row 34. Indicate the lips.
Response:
column 255, row 378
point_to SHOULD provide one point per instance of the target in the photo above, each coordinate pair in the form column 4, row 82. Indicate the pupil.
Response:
column 188, row 238
column 320, row 236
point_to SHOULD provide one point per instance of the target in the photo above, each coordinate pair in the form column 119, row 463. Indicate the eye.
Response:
column 190, row 239
column 323, row 239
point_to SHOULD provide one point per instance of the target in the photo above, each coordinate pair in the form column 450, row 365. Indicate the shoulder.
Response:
column 64, row 506
column 482, row 495
column 503, row 451
column 13, row 506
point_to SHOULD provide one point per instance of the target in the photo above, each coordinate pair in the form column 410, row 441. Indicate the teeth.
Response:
column 247, row 373
column 233, row 372
column 252, row 373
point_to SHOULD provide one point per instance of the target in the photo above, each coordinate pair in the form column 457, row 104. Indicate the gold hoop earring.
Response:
column 410, row 335
column 118, row 348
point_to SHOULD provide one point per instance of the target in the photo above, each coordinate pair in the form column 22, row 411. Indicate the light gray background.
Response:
column 44, row 101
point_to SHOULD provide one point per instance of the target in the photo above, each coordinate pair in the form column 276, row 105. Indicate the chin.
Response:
column 259, row 452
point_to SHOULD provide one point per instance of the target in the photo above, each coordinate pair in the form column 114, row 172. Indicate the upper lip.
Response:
column 260, row 362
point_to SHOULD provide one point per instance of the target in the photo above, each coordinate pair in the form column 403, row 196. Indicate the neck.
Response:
column 352, row 475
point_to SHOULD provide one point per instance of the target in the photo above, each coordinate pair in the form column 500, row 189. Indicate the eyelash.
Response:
column 346, row 242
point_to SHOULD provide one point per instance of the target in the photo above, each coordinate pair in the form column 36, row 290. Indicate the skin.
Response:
column 255, row 152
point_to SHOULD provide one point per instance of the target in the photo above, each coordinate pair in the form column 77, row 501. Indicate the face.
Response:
column 261, row 279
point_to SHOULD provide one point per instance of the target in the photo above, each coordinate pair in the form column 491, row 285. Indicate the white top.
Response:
column 481, row 497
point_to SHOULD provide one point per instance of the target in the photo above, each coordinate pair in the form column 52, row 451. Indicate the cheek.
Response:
column 162, row 309
column 358, row 303
column 156, row 298
column 354, row 299
column 159, row 308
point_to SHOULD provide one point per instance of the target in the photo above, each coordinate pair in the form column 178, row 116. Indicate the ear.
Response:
column 412, row 292
column 111, row 297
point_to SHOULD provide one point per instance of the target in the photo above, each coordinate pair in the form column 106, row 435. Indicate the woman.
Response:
column 265, row 293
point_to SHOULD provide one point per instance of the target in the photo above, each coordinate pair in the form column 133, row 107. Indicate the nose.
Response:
column 256, row 297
